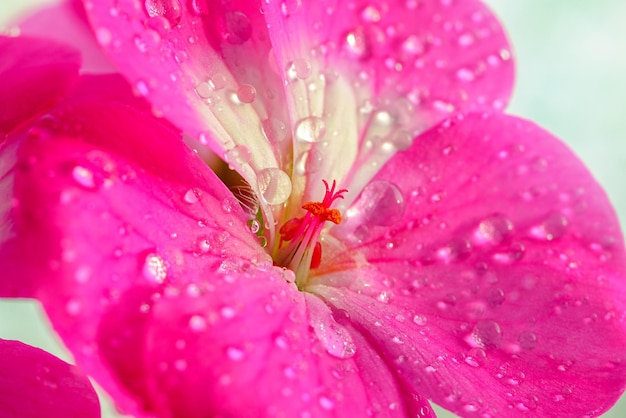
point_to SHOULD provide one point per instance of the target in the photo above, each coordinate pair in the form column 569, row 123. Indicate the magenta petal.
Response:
column 36, row 384
column 108, row 206
column 67, row 23
column 190, row 59
column 251, row 344
column 35, row 75
column 497, row 278
column 441, row 56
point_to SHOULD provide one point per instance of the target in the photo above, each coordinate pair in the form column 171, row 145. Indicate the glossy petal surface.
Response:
column 35, row 384
column 501, row 263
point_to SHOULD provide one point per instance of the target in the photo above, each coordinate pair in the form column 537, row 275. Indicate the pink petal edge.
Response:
column 36, row 384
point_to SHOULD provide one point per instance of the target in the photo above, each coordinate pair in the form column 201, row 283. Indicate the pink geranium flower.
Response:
column 383, row 235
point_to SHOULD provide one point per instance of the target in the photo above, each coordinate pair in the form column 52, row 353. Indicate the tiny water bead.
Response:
column 154, row 268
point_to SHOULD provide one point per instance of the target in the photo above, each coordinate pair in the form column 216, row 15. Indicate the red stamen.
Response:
column 304, row 251
column 316, row 259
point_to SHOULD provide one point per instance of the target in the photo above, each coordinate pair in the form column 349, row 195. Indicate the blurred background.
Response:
column 571, row 70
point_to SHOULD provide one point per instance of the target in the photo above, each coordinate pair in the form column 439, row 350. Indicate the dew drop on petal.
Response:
column 275, row 130
column 84, row 177
column 190, row 196
column 246, row 93
column 493, row 230
column 380, row 203
column 238, row 156
column 154, row 268
column 310, row 129
column 235, row 353
column 357, row 43
column 290, row 7
column 476, row 357
column 169, row 9
column 327, row 403
column 420, row 320
column 275, row 185
column 299, row 69
column 197, row 323
column 553, row 227
column 335, row 338
column 487, row 333
column 309, row 162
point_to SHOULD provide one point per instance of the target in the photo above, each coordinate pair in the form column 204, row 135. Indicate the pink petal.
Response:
column 191, row 59
column 67, row 23
column 440, row 56
column 35, row 75
column 36, row 384
column 250, row 344
column 496, row 275
column 109, row 206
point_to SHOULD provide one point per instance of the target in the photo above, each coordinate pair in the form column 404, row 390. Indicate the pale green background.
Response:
column 571, row 64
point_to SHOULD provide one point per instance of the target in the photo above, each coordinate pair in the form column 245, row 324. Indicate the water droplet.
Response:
column 309, row 162
column 154, row 268
column 420, row 320
column 217, row 82
column 370, row 14
column 510, row 254
column 553, row 227
column 290, row 7
column 487, row 334
column 197, row 323
column 493, row 230
column 246, row 93
column 380, row 203
column 275, row 185
column 275, row 130
column 84, row 177
column 147, row 40
column 476, row 357
column 169, row 9
column 235, row 353
column 255, row 226
column 413, row 45
column 190, row 196
column 527, row 340
column 300, row 68
column 357, row 43
column 73, row 307
column 238, row 156
column 327, row 403
column 199, row 7
column 238, row 28
column 335, row 338
column 311, row 129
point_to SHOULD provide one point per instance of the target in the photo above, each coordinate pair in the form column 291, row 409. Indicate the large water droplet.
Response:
column 487, row 334
column 309, row 162
column 169, row 9
column 275, row 130
column 154, row 268
column 493, row 230
column 357, row 43
column 235, row 353
column 553, row 227
column 380, row 203
column 275, row 185
column 238, row 28
column 190, row 196
column 335, row 338
column 290, row 7
column 311, row 129
column 84, row 177
column 238, row 156
column 246, row 93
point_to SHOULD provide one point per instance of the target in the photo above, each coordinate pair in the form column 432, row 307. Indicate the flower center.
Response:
column 299, row 248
